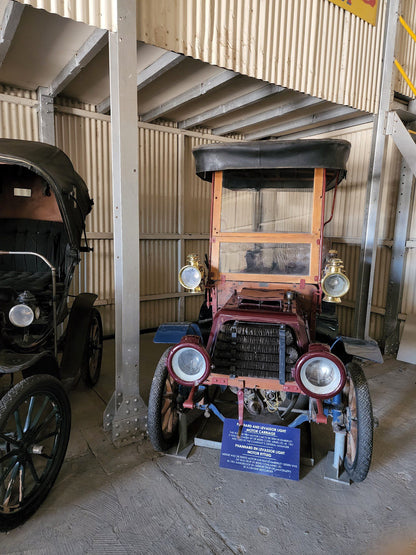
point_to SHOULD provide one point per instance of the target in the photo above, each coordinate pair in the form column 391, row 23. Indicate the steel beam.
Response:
column 338, row 126
column 85, row 54
column 283, row 109
column 8, row 27
column 46, row 116
column 125, row 414
column 242, row 101
column 297, row 124
column 104, row 106
column 210, row 85
column 402, row 139
column 160, row 66
column 374, row 189
column 398, row 256
column 150, row 73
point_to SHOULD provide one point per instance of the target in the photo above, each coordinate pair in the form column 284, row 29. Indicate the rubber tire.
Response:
column 90, row 377
column 36, row 385
column 159, row 440
column 358, row 462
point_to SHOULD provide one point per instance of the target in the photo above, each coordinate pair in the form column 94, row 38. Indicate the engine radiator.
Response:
column 246, row 349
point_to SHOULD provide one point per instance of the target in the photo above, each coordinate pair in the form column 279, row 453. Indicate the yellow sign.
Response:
column 365, row 9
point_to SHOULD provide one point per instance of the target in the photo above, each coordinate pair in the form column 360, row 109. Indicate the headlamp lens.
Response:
column 21, row 315
column 335, row 285
column 188, row 364
column 320, row 375
column 190, row 277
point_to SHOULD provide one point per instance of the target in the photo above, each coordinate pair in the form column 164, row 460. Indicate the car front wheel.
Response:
column 359, row 424
column 35, row 422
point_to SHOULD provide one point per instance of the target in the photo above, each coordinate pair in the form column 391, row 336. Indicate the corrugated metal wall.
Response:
column 99, row 13
column 314, row 47
column 310, row 46
column 174, row 210
column 346, row 228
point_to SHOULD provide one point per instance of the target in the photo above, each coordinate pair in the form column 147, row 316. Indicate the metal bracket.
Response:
column 335, row 474
column 126, row 421
column 184, row 447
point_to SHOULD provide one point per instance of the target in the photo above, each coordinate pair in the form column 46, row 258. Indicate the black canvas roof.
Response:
column 57, row 170
column 261, row 156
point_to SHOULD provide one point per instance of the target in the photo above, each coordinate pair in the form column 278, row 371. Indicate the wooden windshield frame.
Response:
column 314, row 238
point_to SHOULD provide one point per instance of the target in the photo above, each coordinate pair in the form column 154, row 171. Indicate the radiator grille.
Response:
column 252, row 350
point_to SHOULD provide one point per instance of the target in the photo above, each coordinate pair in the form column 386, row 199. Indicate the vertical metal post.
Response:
column 125, row 414
column 395, row 287
column 373, row 196
column 46, row 116
column 181, row 218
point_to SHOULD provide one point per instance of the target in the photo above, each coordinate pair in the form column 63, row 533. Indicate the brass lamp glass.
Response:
column 190, row 276
column 335, row 284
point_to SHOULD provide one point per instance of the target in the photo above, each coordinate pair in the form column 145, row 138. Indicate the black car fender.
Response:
column 77, row 334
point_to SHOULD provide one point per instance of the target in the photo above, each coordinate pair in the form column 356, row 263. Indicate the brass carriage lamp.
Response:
column 191, row 275
column 335, row 284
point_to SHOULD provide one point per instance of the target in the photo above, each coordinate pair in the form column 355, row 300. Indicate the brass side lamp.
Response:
column 335, row 284
column 191, row 275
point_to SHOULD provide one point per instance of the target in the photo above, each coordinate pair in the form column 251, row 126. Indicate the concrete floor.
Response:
column 133, row 501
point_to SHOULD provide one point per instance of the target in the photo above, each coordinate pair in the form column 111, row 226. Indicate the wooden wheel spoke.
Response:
column 8, row 455
column 21, row 483
column 40, row 411
column 9, row 489
column 29, row 414
column 9, row 439
column 19, row 428
column 47, row 420
column 33, row 470
column 7, row 471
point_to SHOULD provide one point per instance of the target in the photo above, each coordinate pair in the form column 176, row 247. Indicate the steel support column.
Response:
column 125, row 414
column 395, row 287
column 374, row 182
column 46, row 116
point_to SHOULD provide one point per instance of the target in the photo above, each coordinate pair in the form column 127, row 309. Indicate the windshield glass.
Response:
column 265, row 258
column 266, row 209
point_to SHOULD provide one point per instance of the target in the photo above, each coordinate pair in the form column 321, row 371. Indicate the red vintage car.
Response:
column 268, row 329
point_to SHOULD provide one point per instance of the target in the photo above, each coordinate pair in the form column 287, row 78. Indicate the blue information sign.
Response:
column 262, row 449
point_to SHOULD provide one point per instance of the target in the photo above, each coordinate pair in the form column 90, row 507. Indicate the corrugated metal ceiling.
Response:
column 49, row 51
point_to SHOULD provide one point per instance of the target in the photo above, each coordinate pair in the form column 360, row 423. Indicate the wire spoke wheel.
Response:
column 35, row 421
column 359, row 424
column 91, row 367
column 163, row 415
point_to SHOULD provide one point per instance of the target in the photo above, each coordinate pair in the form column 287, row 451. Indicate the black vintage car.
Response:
column 44, row 346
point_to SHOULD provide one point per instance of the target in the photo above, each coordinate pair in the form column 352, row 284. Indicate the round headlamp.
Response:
column 188, row 362
column 320, row 374
column 21, row 315
column 190, row 276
